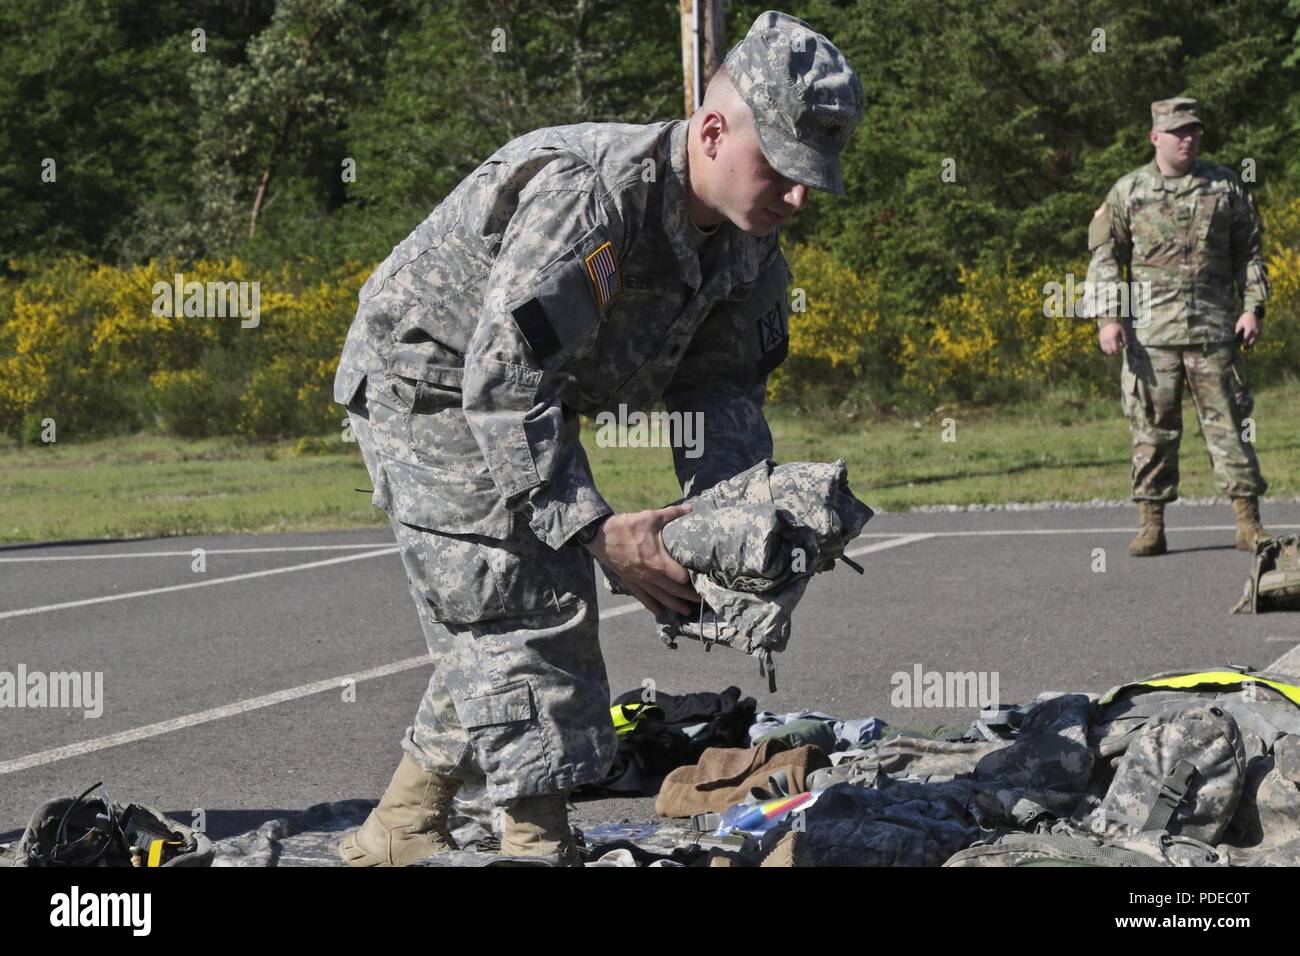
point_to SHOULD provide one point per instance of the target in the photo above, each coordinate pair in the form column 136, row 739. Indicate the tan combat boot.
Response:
column 539, row 826
column 1249, row 531
column 410, row 822
column 1150, row 538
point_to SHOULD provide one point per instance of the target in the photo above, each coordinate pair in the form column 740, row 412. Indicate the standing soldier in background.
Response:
column 1188, row 232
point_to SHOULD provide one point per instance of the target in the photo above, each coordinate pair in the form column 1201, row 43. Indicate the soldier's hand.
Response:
column 1113, row 338
column 1248, row 328
column 629, row 545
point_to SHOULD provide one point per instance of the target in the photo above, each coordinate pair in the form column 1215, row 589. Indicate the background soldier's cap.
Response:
column 1171, row 114
column 806, row 99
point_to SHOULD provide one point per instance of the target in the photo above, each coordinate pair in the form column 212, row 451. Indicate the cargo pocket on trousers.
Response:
column 1135, row 394
column 451, row 574
column 510, row 704
column 1243, row 401
column 502, row 723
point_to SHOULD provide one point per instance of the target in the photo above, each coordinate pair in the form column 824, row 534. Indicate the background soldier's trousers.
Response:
column 519, row 685
column 1152, row 386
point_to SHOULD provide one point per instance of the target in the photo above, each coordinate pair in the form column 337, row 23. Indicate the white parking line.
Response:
column 886, row 545
column 196, row 584
column 1012, row 532
column 190, row 553
column 294, row 693
column 233, row 710
column 203, row 716
column 1288, row 663
column 21, row 612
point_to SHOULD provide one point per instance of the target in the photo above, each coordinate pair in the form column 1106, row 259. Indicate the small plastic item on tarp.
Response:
column 757, row 818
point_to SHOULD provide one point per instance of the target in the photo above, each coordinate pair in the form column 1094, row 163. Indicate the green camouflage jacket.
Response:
column 1196, row 239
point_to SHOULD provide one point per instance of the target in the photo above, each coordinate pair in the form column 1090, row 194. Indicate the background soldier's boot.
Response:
column 1150, row 538
column 1249, row 531
column 410, row 822
column 539, row 826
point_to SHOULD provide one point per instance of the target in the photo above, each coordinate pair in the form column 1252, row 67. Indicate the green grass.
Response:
column 148, row 485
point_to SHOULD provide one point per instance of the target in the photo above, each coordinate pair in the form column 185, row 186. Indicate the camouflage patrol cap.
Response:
column 805, row 98
column 1175, row 113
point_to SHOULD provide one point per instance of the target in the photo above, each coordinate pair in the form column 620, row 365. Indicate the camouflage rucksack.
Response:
column 1183, row 773
column 1264, row 815
column 1275, row 578
column 1192, row 768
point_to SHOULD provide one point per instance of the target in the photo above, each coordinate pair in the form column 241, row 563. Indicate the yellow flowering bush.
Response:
column 995, row 337
column 104, row 349
column 832, row 318
column 100, row 348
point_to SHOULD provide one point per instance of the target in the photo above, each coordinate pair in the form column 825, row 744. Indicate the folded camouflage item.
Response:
column 897, row 823
column 752, row 544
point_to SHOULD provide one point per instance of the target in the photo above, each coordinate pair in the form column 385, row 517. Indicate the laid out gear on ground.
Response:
column 95, row 831
column 1250, row 533
column 1181, row 769
column 752, row 543
column 539, row 826
column 1274, row 583
column 410, row 822
column 1064, row 845
column 1199, row 769
column 656, row 738
column 1184, row 768
column 1184, row 772
column 1150, row 540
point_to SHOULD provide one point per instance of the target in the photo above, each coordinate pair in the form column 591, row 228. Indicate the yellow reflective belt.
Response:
column 1290, row 691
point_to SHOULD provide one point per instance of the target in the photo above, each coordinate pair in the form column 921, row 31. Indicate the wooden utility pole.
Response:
column 708, row 36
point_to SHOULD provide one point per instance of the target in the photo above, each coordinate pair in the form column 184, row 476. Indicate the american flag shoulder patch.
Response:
column 603, row 271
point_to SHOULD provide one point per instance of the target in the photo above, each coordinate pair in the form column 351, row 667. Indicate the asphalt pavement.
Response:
column 223, row 680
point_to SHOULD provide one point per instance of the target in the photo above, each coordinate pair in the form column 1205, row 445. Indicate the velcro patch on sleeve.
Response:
column 1099, row 228
column 565, row 302
column 773, row 338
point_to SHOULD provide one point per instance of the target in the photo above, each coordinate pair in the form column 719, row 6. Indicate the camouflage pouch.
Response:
column 752, row 544
column 1183, row 773
column 1275, row 577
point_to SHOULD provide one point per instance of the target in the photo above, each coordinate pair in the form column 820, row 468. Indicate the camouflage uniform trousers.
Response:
column 519, row 684
column 1152, row 389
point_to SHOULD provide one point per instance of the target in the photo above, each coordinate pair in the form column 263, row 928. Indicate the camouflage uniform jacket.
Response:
column 1192, row 238
column 752, row 544
column 556, row 279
